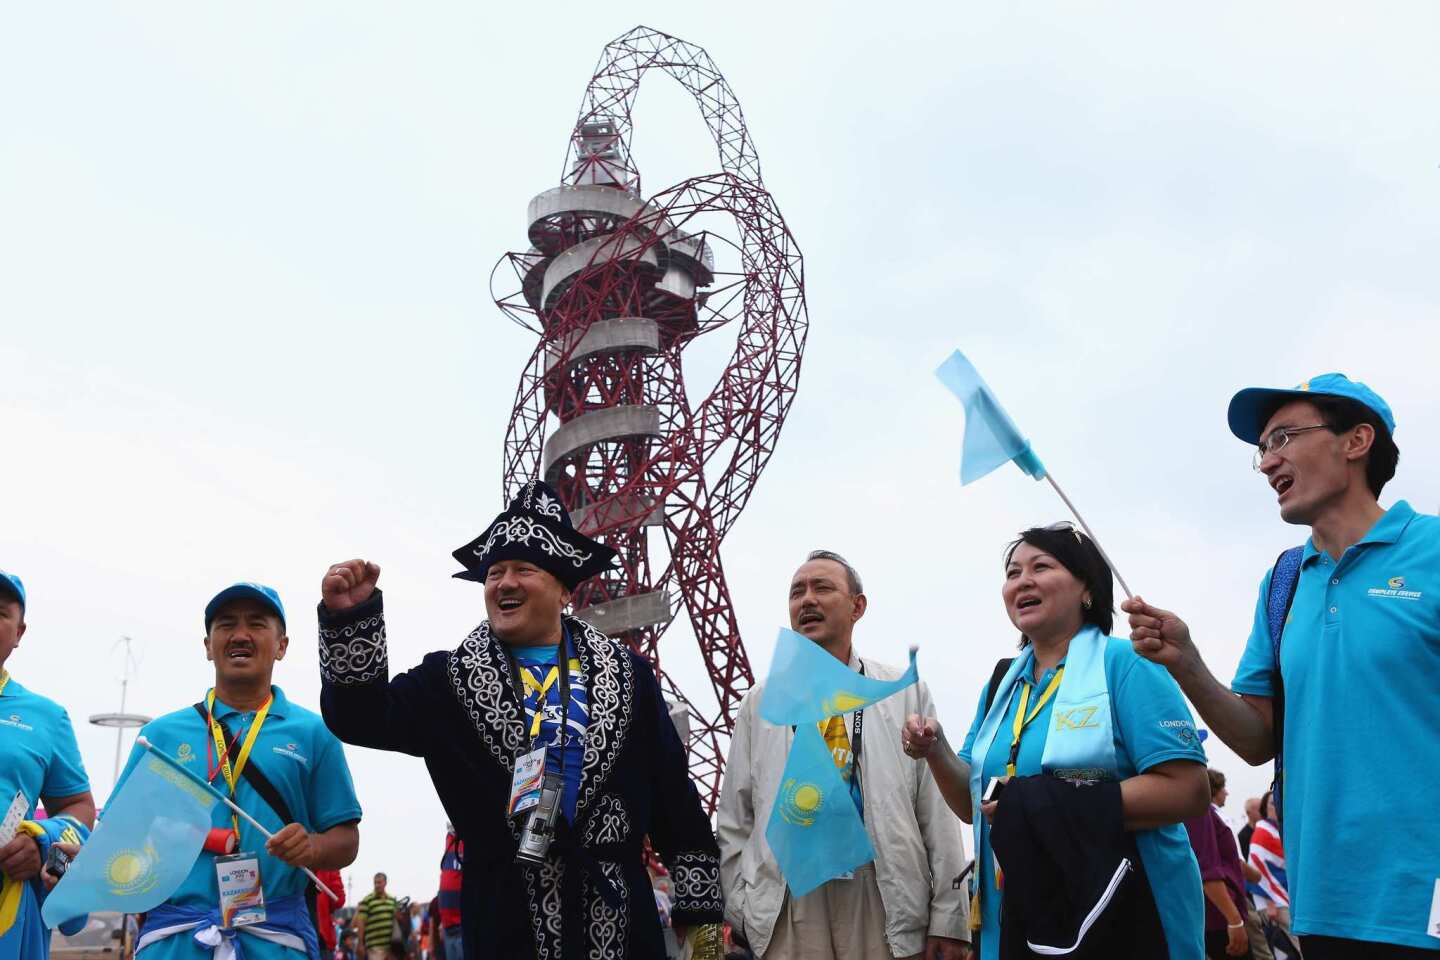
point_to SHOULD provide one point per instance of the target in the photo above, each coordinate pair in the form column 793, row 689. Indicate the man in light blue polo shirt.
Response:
column 242, row 727
column 38, row 758
column 1358, row 663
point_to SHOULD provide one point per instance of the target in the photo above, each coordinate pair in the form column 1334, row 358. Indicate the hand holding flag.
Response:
column 146, row 844
column 141, row 851
column 287, row 838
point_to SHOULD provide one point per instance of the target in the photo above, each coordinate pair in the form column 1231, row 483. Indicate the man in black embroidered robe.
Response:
column 472, row 711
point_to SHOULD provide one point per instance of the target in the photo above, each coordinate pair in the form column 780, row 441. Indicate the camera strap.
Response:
column 857, row 727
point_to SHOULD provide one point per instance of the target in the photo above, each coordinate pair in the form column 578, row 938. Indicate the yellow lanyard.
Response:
column 541, row 689
column 4, row 679
column 232, row 776
column 1022, row 721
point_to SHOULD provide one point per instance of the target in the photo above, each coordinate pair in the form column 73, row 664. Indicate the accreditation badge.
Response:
column 525, row 786
column 13, row 816
column 242, row 901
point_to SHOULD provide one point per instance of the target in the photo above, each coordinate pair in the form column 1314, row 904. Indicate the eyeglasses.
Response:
column 1277, row 440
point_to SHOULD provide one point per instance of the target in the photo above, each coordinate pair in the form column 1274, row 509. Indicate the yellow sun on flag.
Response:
column 842, row 702
column 125, row 869
column 800, row 802
column 132, row 872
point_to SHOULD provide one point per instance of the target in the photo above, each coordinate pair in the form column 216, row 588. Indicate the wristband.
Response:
column 1235, row 926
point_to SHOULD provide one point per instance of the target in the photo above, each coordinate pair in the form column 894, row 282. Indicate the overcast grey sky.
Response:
column 244, row 262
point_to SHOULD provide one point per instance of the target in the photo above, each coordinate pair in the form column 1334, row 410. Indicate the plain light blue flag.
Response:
column 991, row 437
column 815, row 830
column 806, row 684
column 142, row 849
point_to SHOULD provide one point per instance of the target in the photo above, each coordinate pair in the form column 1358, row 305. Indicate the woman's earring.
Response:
column 1085, row 603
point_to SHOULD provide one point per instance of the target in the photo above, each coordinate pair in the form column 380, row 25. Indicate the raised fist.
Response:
column 348, row 584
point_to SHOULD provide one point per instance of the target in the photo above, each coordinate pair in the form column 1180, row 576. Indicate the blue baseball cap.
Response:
column 1251, row 407
column 251, row 591
column 9, row 583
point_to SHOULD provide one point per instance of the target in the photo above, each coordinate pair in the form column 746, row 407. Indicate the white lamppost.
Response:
column 121, row 720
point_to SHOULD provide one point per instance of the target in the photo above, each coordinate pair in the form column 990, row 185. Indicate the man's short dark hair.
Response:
column 851, row 574
column 1341, row 415
column 1217, row 781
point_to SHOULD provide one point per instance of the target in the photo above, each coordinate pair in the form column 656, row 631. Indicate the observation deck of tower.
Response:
column 616, row 286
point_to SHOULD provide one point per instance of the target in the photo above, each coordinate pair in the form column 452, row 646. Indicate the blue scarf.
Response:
column 1079, row 746
column 1081, row 743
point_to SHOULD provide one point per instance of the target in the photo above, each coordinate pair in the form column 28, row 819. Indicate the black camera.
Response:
column 540, row 824
column 57, row 862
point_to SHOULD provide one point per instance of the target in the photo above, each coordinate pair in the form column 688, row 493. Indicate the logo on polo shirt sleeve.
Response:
column 1183, row 730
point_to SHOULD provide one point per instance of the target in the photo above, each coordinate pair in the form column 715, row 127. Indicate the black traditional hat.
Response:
column 537, row 529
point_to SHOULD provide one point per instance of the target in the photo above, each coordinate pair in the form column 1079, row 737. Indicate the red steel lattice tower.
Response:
column 617, row 286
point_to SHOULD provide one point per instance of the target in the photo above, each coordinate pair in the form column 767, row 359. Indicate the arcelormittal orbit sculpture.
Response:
column 617, row 286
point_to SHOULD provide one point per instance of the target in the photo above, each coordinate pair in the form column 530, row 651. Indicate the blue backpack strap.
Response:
column 1284, row 578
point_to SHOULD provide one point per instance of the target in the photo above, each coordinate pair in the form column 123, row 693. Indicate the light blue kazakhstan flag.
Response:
column 815, row 829
column 143, row 847
column 991, row 437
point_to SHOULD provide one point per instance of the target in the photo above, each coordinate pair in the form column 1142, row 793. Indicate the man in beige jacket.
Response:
column 909, row 902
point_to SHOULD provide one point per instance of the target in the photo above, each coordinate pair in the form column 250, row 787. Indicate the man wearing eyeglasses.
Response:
column 1359, row 720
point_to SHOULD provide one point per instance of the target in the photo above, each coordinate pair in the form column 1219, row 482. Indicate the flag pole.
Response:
column 1091, row 534
column 145, row 742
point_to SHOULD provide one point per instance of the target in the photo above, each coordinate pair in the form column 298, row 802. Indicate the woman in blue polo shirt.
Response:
column 1058, row 592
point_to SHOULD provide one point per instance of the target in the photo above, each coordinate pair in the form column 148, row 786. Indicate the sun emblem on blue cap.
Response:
column 1396, row 583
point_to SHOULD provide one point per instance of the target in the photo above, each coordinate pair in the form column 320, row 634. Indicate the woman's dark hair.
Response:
column 1078, row 554
column 1265, row 804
